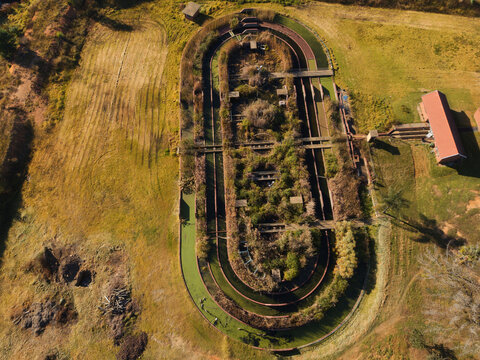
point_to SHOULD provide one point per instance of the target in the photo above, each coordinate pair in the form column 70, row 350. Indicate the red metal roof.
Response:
column 447, row 140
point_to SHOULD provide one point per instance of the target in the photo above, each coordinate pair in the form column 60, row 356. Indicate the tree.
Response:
column 203, row 247
column 8, row 42
column 293, row 266
column 345, row 250
column 456, row 281
column 262, row 114
column 393, row 201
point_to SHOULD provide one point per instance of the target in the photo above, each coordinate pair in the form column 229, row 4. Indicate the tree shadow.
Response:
column 471, row 165
column 184, row 210
column 440, row 351
column 13, row 173
column 113, row 24
column 28, row 58
column 394, row 201
column 201, row 19
column 371, row 280
column 429, row 232
column 382, row 145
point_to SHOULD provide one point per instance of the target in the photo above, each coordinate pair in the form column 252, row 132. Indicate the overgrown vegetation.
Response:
column 371, row 112
column 345, row 250
column 8, row 42
column 343, row 181
column 104, row 207
column 454, row 277
column 468, row 8
column 270, row 202
column 345, row 266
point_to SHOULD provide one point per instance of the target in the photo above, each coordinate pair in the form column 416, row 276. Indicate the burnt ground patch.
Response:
column 84, row 278
column 62, row 265
column 132, row 346
column 39, row 315
column 70, row 267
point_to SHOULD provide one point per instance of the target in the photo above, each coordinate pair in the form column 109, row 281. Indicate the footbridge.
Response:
column 297, row 73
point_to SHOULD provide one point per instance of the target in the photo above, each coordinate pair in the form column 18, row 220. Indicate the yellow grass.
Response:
column 105, row 178
column 102, row 180
column 389, row 58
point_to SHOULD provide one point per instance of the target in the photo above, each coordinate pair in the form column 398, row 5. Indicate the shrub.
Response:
column 234, row 22
column 331, row 164
column 262, row 114
column 246, row 90
column 293, row 266
column 203, row 247
column 8, row 42
column 132, row 347
column 416, row 339
column 345, row 250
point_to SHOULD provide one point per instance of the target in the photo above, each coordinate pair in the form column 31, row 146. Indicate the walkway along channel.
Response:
column 218, row 273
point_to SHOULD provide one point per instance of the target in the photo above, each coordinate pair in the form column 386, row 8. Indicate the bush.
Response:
column 246, row 90
column 331, row 164
column 8, row 42
column 203, row 247
column 345, row 250
column 293, row 266
column 416, row 339
column 234, row 22
column 262, row 114
column 132, row 347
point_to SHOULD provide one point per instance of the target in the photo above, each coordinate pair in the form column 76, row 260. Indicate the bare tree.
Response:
column 455, row 279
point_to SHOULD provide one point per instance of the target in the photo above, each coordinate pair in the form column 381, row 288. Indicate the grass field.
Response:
column 389, row 58
column 103, row 179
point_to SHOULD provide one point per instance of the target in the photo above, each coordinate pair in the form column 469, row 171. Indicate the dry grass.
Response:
column 105, row 179
column 102, row 180
column 389, row 58
column 396, row 56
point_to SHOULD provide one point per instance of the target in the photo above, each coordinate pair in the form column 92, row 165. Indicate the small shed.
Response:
column 296, row 200
column 191, row 10
column 234, row 94
column 253, row 45
column 477, row 118
column 276, row 275
column 282, row 92
column 372, row 135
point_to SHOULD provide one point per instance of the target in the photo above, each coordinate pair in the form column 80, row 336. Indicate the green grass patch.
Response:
column 310, row 38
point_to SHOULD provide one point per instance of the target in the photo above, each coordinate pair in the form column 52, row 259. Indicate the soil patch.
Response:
column 70, row 268
column 344, row 188
column 84, row 278
column 436, row 191
column 62, row 265
column 48, row 263
column 39, row 315
column 133, row 346
column 474, row 204
column 117, row 306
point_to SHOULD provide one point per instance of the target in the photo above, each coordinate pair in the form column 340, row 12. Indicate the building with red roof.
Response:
column 435, row 110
